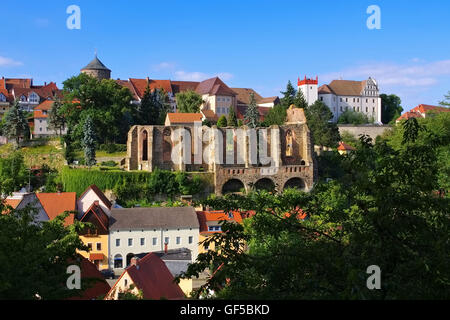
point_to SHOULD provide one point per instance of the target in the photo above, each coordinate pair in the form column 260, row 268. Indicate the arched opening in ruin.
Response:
column 144, row 145
column 265, row 184
column 295, row 183
column 233, row 186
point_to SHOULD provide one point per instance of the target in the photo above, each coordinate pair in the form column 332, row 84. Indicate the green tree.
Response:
column 391, row 108
column 299, row 100
column 15, row 125
column 222, row 122
column 446, row 101
column 251, row 117
column 107, row 102
column 13, row 173
column 188, row 101
column 89, row 142
column 34, row 257
column 56, row 118
column 353, row 117
column 232, row 119
column 153, row 108
column 276, row 116
column 288, row 96
column 324, row 132
column 382, row 211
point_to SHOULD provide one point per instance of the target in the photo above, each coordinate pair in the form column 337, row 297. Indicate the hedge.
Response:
column 78, row 180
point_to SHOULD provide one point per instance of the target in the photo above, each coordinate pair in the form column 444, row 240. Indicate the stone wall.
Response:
column 371, row 130
column 288, row 149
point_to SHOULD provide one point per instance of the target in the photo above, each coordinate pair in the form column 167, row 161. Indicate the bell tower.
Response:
column 309, row 89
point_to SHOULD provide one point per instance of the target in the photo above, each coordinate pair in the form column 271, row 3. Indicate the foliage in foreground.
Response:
column 384, row 210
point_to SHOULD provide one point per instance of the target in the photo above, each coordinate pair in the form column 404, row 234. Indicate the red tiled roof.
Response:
column 181, row 86
column 408, row 115
column 424, row 108
column 214, row 86
column 343, row 146
column 241, row 110
column 217, row 215
column 180, row 117
column 12, row 202
column 55, row 204
column 127, row 84
column 17, row 83
column 99, row 288
column 151, row 275
column 210, row 115
column 140, row 85
column 99, row 215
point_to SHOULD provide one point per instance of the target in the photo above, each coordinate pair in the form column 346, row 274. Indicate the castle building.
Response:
column 342, row 95
column 97, row 69
column 359, row 96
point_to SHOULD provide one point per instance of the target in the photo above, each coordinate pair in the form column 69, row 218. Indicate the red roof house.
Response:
column 150, row 276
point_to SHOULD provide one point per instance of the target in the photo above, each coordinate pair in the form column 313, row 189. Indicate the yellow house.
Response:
column 96, row 238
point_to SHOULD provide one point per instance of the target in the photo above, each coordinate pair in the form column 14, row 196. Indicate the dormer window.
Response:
column 23, row 99
column 2, row 97
column 34, row 98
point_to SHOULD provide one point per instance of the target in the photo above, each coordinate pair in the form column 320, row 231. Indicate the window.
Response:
column 214, row 228
column 321, row 98
column 367, row 109
column 126, row 282
column 99, row 246
column 346, row 99
column 190, row 239
column 34, row 98
column 90, row 246
column 341, row 108
column 353, row 99
column 23, row 98
column 178, row 240
column 40, row 121
column 206, row 246
column 367, row 100
column 142, row 241
column 130, row 242
column 154, row 241
column 373, row 100
column 40, row 129
column 341, row 99
column 118, row 261
column 117, row 242
column 2, row 98
column 166, row 240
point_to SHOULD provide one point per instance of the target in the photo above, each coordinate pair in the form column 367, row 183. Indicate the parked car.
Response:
column 108, row 274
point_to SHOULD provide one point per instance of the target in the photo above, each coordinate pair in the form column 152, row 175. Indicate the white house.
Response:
column 91, row 195
column 140, row 230
column 359, row 96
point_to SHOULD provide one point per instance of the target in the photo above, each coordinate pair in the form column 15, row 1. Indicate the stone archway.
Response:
column 129, row 257
column 265, row 184
column 296, row 183
column 233, row 186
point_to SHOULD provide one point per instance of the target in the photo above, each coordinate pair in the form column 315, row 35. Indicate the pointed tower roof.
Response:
column 96, row 64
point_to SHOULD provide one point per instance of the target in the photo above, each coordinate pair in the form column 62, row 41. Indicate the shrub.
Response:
column 109, row 163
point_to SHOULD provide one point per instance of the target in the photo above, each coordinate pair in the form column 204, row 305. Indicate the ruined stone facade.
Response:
column 229, row 154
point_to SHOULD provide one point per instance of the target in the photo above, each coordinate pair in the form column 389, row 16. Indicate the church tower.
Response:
column 97, row 69
column 309, row 89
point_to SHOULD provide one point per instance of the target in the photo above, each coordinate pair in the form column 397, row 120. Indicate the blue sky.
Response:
column 256, row 44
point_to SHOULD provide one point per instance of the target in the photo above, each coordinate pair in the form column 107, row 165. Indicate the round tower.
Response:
column 309, row 89
column 97, row 69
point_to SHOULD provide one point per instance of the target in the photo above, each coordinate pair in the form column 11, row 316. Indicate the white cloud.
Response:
column 8, row 62
column 200, row 76
column 415, row 74
column 164, row 66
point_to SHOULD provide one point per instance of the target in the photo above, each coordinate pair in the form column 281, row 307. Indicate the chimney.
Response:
column 134, row 262
column 97, row 203
column 148, row 80
column 165, row 247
